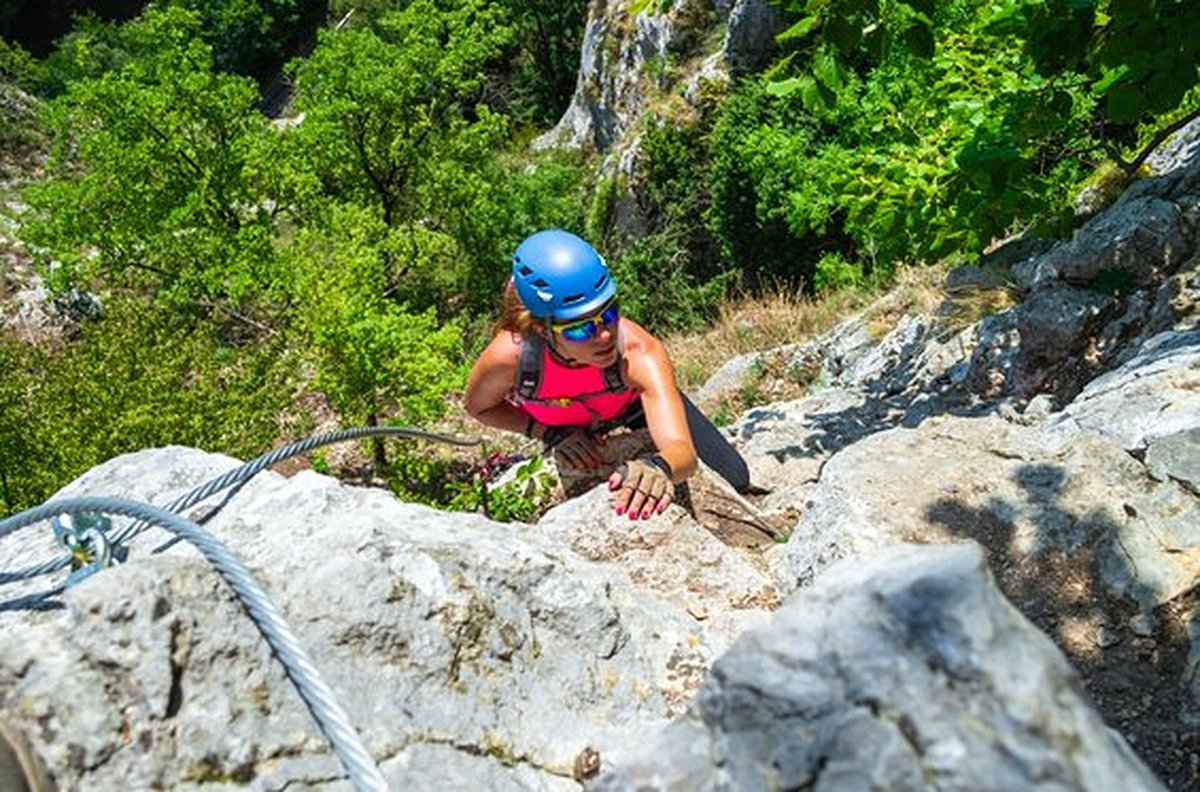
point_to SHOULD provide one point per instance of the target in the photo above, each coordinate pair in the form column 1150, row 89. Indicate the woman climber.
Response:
column 567, row 368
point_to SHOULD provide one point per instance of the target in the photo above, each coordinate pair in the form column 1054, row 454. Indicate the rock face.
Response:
column 661, row 54
column 887, row 674
column 619, row 46
column 459, row 647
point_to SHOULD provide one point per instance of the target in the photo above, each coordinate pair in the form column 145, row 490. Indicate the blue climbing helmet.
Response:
column 559, row 276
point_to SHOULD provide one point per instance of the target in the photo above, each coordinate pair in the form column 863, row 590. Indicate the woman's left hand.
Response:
column 645, row 489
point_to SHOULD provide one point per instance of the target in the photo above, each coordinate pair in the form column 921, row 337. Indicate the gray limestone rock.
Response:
column 1054, row 322
column 750, row 38
column 1022, row 493
column 1142, row 238
column 888, row 674
column 1156, row 393
column 1176, row 458
column 494, row 643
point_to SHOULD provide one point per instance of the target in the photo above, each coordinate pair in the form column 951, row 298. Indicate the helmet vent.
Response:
column 541, row 283
column 601, row 282
column 525, row 271
column 571, row 299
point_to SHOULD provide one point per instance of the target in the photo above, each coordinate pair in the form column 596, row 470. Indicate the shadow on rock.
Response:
column 1132, row 659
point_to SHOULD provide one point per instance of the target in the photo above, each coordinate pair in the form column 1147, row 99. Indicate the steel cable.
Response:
column 242, row 474
column 317, row 696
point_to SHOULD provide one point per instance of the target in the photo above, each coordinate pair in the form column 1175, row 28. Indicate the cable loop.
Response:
column 330, row 717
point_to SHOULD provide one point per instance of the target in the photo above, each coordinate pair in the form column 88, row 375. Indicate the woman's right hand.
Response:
column 574, row 446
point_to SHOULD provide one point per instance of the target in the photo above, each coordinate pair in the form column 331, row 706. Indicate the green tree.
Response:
column 1140, row 59
column 488, row 208
column 92, row 47
column 544, row 57
column 671, row 275
column 374, row 355
column 152, row 181
column 140, row 377
column 534, row 78
column 384, row 110
column 901, row 131
column 247, row 36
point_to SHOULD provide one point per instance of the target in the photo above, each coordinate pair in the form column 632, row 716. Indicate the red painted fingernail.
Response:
column 620, row 510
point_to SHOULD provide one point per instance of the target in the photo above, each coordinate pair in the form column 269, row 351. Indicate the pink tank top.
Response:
column 555, row 394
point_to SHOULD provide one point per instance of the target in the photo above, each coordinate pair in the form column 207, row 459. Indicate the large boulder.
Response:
column 908, row 670
column 460, row 648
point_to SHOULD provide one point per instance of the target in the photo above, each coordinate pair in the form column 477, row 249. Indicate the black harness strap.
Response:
column 530, row 369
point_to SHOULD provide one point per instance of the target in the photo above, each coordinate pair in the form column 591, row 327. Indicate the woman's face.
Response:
column 591, row 340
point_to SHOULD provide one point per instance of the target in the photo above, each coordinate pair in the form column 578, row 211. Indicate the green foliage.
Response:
column 152, row 186
column 746, row 214
column 543, row 57
column 18, row 68
column 1141, row 58
column 890, row 132
column 520, row 499
column 355, row 239
column 138, row 378
column 374, row 355
column 417, row 476
column 656, row 288
column 649, row 7
column 93, row 47
column 895, row 131
column 834, row 272
column 392, row 121
column 22, row 137
column 671, row 277
column 320, row 464
column 247, row 36
column 489, row 208
column 388, row 113
column 605, row 193
column 533, row 77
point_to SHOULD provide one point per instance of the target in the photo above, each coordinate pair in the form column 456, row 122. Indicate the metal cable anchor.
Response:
column 85, row 537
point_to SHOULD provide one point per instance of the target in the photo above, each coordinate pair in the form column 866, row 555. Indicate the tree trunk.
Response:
column 378, row 451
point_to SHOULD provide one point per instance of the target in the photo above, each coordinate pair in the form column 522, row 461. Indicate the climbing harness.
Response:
column 610, row 406
column 81, row 526
column 551, row 401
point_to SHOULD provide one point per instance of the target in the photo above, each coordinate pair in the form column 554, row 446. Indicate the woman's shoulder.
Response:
column 646, row 359
column 637, row 341
column 503, row 350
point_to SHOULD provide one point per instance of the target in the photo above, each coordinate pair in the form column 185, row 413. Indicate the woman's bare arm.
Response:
column 489, row 383
column 650, row 370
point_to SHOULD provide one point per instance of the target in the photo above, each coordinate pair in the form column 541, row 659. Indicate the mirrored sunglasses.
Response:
column 583, row 329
